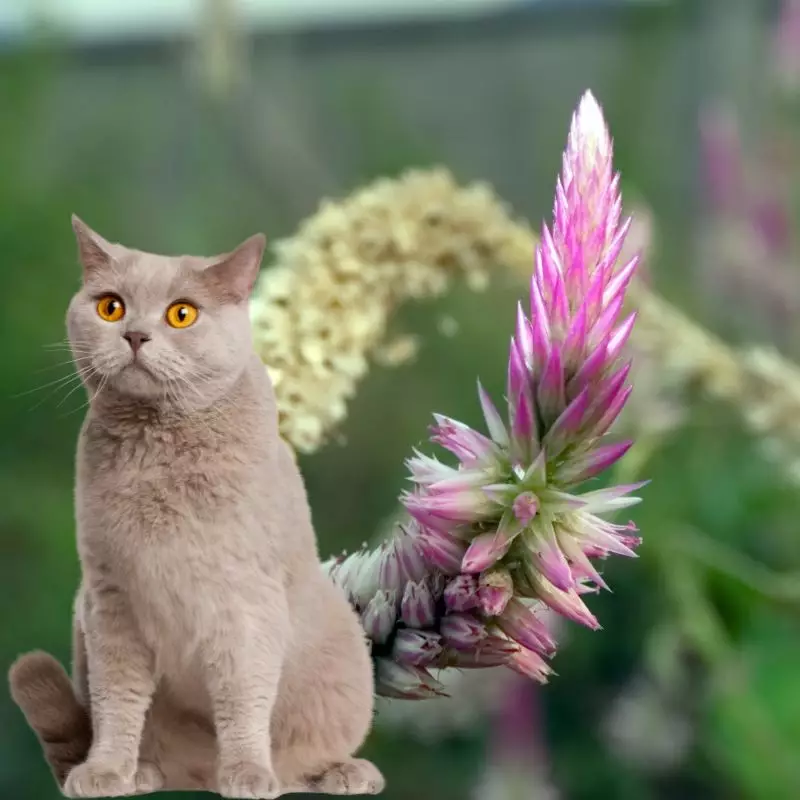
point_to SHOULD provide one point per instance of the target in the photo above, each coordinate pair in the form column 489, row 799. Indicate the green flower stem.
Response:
column 704, row 630
column 782, row 588
column 680, row 564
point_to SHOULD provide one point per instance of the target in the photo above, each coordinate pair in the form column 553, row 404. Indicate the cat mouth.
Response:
column 137, row 366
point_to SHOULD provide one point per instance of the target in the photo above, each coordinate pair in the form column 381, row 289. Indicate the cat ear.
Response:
column 232, row 277
column 93, row 250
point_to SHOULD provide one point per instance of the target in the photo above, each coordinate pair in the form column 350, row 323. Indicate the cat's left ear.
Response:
column 232, row 277
column 94, row 251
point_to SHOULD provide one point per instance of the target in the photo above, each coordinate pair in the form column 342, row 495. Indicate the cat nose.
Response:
column 136, row 340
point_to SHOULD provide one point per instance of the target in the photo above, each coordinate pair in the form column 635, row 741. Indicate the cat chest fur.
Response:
column 177, row 531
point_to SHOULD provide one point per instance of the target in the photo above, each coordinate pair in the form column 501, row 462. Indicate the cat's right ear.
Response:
column 93, row 250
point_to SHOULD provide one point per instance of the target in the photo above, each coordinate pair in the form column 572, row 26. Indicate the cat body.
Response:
column 210, row 650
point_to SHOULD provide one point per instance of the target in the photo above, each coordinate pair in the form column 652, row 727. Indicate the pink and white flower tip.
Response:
column 506, row 531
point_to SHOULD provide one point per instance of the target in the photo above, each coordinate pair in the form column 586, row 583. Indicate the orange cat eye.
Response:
column 110, row 308
column 181, row 314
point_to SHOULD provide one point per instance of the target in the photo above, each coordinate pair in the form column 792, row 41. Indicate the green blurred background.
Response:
column 184, row 127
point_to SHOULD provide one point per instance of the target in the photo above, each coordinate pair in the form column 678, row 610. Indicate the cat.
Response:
column 210, row 651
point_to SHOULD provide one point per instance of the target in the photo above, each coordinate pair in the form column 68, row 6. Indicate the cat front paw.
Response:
column 356, row 776
column 247, row 781
column 100, row 779
column 148, row 778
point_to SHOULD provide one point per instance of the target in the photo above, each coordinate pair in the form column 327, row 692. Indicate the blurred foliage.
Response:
column 709, row 611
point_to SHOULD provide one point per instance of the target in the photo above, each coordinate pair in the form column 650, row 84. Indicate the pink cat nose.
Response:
column 136, row 340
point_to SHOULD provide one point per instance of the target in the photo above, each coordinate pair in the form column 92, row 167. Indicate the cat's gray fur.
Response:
column 210, row 650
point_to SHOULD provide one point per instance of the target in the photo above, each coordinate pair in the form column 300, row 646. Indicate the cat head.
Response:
column 171, row 330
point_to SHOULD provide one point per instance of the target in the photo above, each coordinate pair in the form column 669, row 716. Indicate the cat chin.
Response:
column 136, row 381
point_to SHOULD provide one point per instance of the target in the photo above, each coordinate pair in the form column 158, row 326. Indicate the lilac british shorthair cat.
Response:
column 210, row 651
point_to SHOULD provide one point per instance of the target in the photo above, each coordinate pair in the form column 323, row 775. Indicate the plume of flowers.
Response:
column 321, row 312
column 501, row 536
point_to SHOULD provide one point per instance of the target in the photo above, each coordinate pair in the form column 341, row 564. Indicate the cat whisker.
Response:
column 65, row 346
column 71, row 362
column 65, row 383
column 69, row 393
column 103, row 382
column 64, row 379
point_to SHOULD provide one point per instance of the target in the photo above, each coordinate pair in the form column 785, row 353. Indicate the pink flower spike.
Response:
column 461, row 594
column 462, row 631
column 504, row 534
column 494, row 422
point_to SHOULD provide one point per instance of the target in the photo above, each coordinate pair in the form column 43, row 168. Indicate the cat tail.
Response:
column 42, row 689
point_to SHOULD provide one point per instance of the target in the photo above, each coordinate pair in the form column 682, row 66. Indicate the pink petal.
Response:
column 418, row 606
column 494, row 422
column 461, row 594
column 462, row 631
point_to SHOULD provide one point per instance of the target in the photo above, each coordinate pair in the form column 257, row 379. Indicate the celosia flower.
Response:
column 504, row 532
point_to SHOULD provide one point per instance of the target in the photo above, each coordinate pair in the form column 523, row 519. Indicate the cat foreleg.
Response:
column 242, row 677
column 121, row 685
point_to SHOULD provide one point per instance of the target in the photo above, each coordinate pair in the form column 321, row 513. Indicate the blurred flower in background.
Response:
column 786, row 47
column 749, row 252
